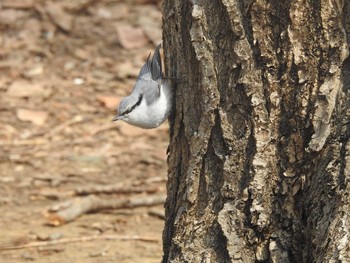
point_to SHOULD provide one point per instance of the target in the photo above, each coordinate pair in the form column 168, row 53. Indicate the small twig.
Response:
column 139, row 186
column 72, row 209
column 113, row 189
column 78, row 239
column 157, row 213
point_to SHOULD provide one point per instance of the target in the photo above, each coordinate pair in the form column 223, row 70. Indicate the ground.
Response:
column 65, row 65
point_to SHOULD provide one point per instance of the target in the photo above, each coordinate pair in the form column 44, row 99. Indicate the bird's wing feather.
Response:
column 156, row 64
column 150, row 78
column 145, row 72
column 150, row 89
column 152, row 70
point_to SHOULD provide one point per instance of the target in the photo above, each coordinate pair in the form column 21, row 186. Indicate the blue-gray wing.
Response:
column 149, row 89
column 150, row 77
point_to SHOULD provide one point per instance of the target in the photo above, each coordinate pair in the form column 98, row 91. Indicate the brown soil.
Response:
column 64, row 65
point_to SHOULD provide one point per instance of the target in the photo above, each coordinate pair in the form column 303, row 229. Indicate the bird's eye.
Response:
column 127, row 111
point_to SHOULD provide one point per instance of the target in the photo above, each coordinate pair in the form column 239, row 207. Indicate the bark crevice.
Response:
column 260, row 146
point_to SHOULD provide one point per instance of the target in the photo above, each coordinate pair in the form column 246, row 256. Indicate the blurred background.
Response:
column 64, row 67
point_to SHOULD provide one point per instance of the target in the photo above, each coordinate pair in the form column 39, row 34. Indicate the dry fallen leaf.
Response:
column 7, row 131
column 79, row 6
column 131, row 37
column 36, row 117
column 113, row 11
column 34, row 70
column 20, row 4
column 31, row 31
column 110, row 102
column 24, row 88
column 104, row 13
column 3, row 83
column 10, row 16
column 151, row 28
column 62, row 19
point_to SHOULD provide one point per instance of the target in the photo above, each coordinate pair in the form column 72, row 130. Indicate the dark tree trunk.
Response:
column 259, row 162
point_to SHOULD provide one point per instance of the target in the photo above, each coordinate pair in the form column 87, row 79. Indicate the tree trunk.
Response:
column 259, row 161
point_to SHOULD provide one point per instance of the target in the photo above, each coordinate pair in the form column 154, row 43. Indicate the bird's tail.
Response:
column 152, row 70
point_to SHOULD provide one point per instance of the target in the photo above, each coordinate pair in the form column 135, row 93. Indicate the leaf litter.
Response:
column 65, row 65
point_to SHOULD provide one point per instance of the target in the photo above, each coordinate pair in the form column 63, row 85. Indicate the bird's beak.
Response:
column 116, row 118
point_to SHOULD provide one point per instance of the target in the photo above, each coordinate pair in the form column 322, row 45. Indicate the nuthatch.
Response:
column 150, row 101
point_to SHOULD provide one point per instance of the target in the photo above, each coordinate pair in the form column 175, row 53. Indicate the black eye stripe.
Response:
column 133, row 107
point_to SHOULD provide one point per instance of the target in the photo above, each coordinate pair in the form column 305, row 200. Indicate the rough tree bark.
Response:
column 259, row 162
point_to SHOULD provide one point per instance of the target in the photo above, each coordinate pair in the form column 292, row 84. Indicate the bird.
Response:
column 150, row 101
